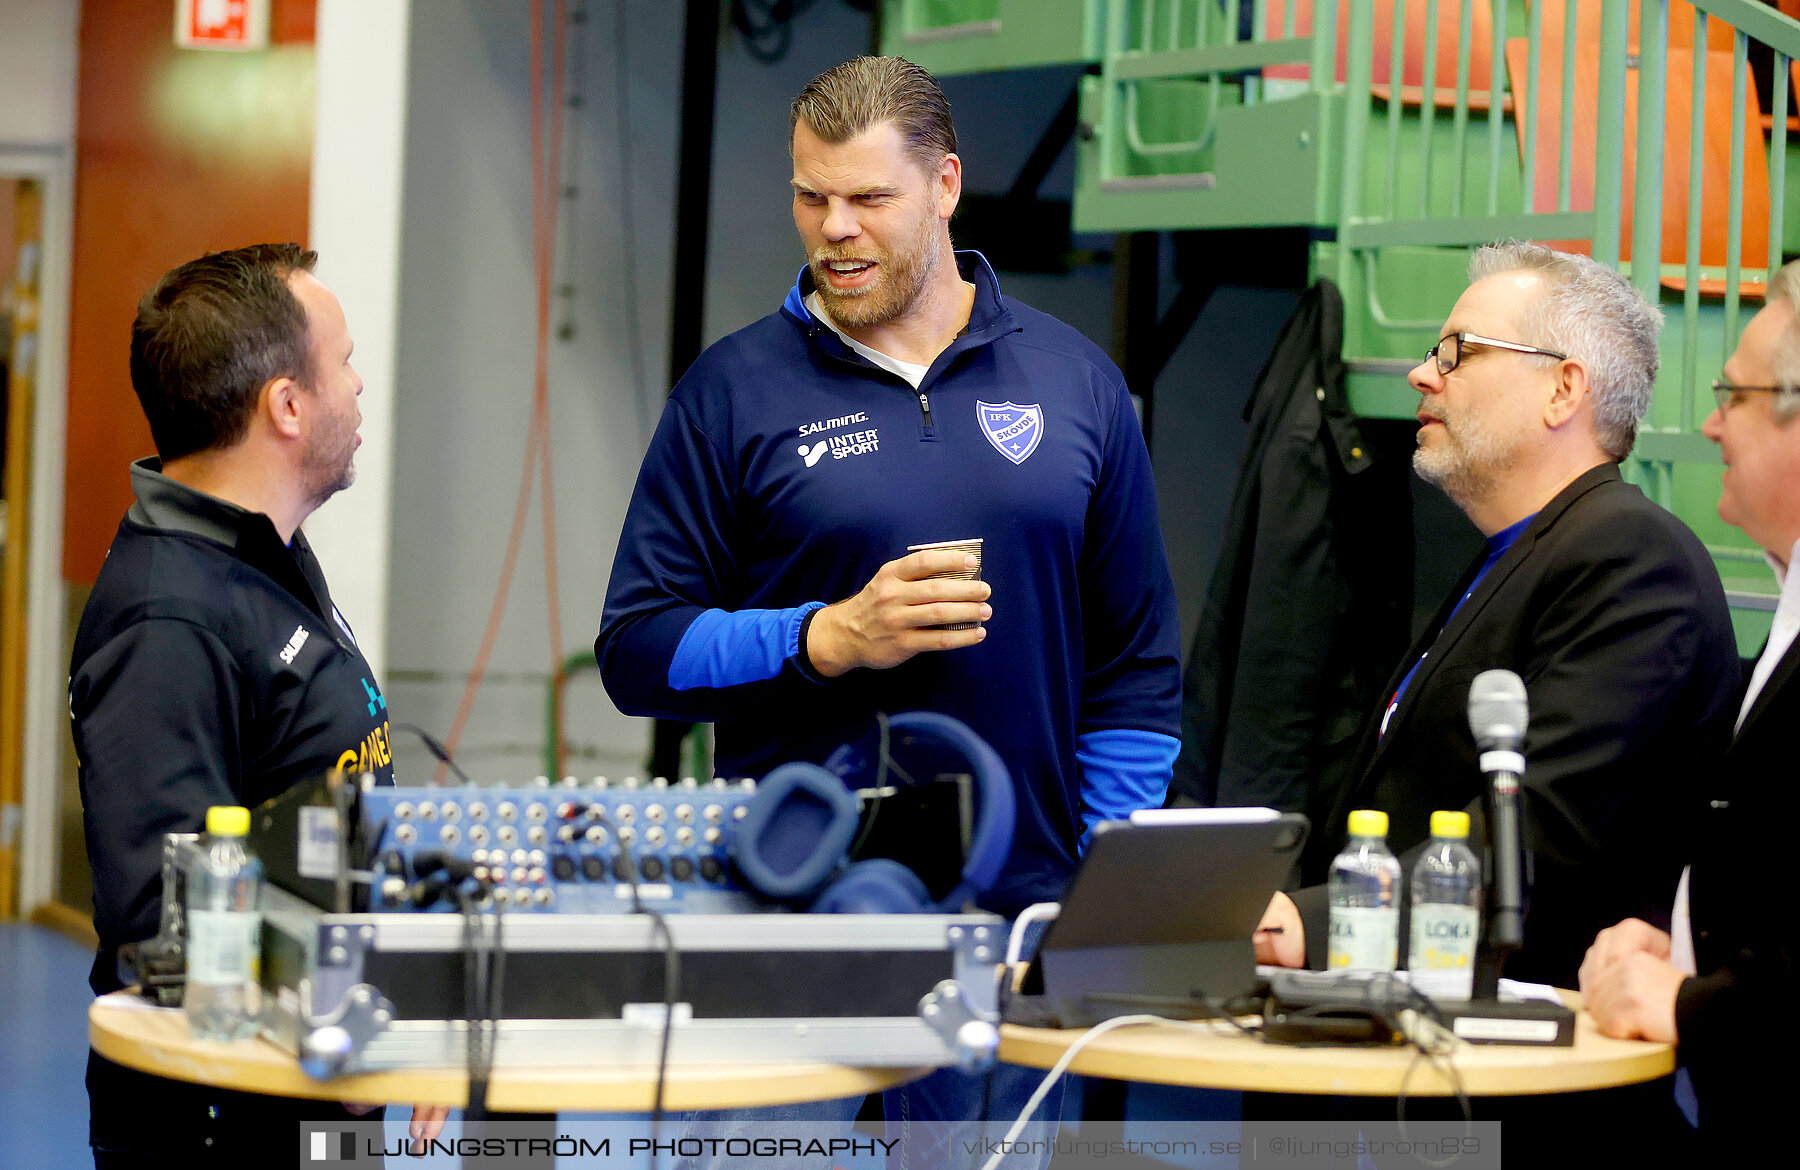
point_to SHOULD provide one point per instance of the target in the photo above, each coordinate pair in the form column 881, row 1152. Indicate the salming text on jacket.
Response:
column 210, row 667
column 787, row 469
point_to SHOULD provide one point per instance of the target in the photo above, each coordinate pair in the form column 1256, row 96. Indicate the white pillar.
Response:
column 358, row 162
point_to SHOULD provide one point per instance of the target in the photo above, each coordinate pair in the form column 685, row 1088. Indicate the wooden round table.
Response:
column 1164, row 1054
column 124, row 1028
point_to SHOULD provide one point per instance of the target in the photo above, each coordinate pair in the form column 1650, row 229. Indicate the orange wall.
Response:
column 178, row 153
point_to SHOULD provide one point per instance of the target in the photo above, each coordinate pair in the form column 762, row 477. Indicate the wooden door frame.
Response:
column 33, row 828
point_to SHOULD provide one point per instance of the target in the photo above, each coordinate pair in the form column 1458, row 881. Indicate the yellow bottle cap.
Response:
column 227, row 820
column 1445, row 823
column 1368, row 822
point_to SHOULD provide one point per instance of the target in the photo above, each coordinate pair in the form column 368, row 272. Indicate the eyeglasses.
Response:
column 1450, row 359
column 1726, row 393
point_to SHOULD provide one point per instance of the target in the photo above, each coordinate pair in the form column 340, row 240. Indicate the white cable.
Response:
column 1058, row 1069
column 1036, row 912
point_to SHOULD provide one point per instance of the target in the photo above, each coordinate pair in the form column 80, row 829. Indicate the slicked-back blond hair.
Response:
column 862, row 93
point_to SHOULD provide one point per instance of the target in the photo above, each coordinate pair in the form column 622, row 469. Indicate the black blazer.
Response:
column 1736, row 1020
column 1611, row 611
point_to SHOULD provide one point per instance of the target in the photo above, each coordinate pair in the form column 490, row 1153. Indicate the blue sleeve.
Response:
column 1121, row 772
column 1130, row 628
column 723, row 649
column 673, row 642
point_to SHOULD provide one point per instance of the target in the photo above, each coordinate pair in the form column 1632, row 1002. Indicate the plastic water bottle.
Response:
column 1365, row 898
column 1446, row 903
column 224, row 928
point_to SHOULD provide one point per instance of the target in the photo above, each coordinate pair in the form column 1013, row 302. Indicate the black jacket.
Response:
column 210, row 667
column 1735, row 1020
column 1611, row 611
column 1310, row 599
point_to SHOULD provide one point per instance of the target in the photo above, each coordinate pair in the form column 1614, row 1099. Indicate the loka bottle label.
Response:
column 1364, row 938
column 1443, row 939
column 222, row 946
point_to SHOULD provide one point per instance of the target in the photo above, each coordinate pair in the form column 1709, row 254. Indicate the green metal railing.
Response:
column 1397, row 212
column 1176, row 58
column 1390, row 212
column 1200, row 118
column 961, row 36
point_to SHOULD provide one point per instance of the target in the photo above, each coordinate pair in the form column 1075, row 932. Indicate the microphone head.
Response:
column 1497, row 711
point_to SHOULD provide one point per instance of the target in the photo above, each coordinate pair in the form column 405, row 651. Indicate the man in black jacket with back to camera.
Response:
column 210, row 666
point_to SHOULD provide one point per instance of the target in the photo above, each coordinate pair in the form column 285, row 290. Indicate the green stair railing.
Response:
column 1231, row 113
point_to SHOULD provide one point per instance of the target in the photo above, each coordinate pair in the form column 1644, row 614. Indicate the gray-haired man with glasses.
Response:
column 1719, row 982
column 1606, row 605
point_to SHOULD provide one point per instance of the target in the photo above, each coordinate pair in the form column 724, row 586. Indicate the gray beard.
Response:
column 1456, row 478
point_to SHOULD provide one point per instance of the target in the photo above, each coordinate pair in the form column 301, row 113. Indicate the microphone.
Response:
column 1498, row 714
column 1498, row 717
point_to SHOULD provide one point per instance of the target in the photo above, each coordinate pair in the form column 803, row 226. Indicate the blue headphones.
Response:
column 794, row 838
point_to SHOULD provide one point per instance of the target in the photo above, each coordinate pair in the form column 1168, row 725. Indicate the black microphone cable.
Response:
column 1392, row 998
column 484, row 972
column 671, row 993
column 884, row 763
column 437, row 750
column 1435, row 1047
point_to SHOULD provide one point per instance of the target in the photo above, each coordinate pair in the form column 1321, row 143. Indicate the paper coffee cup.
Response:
column 972, row 546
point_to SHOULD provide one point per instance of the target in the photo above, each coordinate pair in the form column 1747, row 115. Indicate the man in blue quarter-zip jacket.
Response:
column 897, row 398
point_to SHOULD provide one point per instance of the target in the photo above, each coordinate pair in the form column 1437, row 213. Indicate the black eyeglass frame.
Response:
column 1459, row 340
column 1725, row 392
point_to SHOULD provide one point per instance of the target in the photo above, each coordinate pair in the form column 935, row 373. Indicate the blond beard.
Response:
column 902, row 279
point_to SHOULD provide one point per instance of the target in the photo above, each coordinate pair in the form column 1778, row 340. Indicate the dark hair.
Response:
column 209, row 335
column 862, row 93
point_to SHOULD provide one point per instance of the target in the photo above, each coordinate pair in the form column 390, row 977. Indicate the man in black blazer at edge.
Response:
column 1721, row 985
column 1605, row 604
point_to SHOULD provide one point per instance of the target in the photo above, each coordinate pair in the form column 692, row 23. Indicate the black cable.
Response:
column 496, row 985
column 1438, row 1056
column 1162, row 1005
column 671, row 994
column 883, row 761
column 484, row 968
column 1390, row 995
column 474, row 992
column 1223, row 1011
column 438, row 750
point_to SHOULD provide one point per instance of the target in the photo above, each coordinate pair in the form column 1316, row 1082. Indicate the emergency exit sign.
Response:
column 222, row 24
